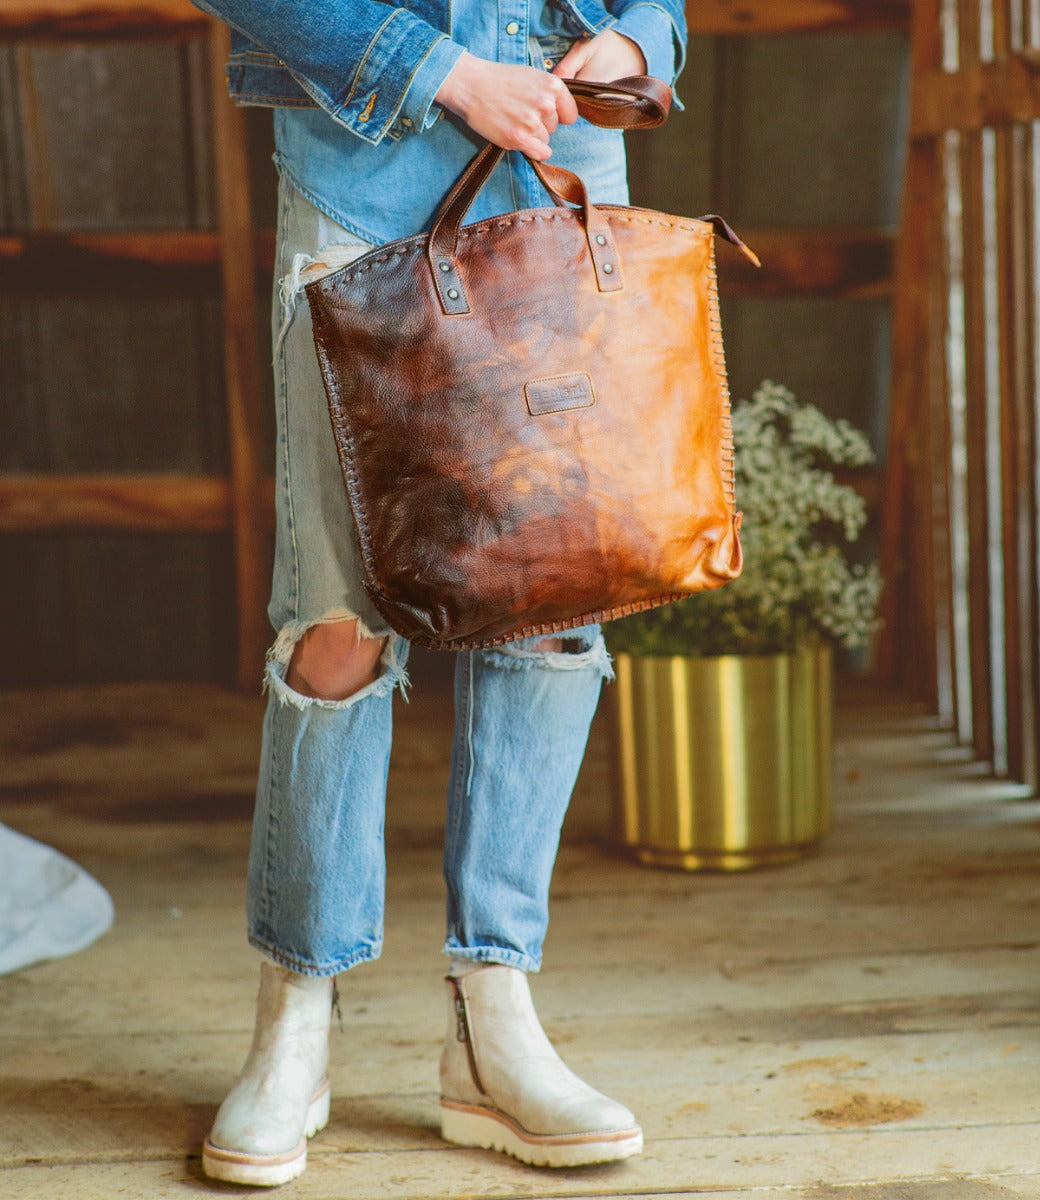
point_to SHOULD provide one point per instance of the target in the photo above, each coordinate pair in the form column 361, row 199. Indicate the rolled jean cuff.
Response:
column 503, row 955
column 301, row 966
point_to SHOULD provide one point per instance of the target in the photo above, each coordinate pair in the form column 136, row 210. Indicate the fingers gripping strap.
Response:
column 637, row 102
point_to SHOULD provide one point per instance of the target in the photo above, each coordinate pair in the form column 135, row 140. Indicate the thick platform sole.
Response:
column 489, row 1129
column 268, row 1170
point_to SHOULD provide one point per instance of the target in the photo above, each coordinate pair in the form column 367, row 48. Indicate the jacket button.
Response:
column 512, row 28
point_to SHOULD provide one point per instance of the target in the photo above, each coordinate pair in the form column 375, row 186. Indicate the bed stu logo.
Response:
column 558, row 393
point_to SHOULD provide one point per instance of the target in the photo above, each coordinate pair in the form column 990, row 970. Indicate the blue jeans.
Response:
column 522, row 713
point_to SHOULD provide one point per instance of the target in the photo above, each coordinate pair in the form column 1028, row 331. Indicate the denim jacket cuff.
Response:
column 656, row 34
column 374, row 102
column 418, row 111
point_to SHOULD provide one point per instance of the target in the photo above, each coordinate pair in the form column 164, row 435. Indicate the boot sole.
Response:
column 489, row 1129
column 268, row 1170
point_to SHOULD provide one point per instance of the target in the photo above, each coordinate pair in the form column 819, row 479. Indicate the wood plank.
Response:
column 980, row 94
column 114, row 258
column 790, row 16
column 1030, row 316
column 978, row 433
column 1002, row 23
column 797, row 262
column 969, row 32
column 158, row 502
column 242, row 360
column 1018, row 504
column 905, row 1158
column 933, row 564
column 907, row 620
column 113, row 502
column 40, row 20
column 1019, row 423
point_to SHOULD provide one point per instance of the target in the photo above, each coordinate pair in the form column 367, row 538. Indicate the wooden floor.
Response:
column 863, row 1025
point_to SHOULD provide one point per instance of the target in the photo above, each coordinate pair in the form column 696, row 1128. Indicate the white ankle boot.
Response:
column 282, row 1096
column 504, row 1087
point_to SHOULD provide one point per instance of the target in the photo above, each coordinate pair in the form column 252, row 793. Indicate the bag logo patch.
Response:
column 559, row 393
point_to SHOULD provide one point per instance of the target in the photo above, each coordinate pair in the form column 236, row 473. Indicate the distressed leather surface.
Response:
column 554, row 455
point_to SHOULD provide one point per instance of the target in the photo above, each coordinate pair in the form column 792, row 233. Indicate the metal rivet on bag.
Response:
column 444, row 266
column 600, row 240
column 607, row 270
column 453, row 294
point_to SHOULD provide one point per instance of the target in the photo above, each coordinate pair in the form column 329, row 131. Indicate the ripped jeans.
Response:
column 522, row 714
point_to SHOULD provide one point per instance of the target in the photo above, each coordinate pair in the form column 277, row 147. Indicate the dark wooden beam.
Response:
column 192, row 503
column 801, row 262
column 36, row 502
column 33, row 261
column 47, row 20
column 793, row 16
column 161, row 248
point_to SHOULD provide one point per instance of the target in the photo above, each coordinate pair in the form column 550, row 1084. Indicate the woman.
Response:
column 377, row 111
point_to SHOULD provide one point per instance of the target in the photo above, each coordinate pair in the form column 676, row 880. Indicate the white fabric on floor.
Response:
column 49, row 906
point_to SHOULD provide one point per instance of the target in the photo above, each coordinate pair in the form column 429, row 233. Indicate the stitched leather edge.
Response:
column 388, row 609
column 728, row 461
column 403, row 246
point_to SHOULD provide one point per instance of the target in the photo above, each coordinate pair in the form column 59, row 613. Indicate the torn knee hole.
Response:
column 562, row 645
column 580, row 650
column 334, row 661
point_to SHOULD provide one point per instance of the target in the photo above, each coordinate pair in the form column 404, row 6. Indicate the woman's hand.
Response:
column 604, row 58
column 517, row 108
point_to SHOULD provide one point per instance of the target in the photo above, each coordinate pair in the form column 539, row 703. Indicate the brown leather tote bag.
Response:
column 531, row 412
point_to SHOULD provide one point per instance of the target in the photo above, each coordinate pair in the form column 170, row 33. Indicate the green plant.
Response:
column 798, row 581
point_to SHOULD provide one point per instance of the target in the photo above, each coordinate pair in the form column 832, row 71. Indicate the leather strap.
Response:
column 636, row 102
column 724, row 230
column 565, row 185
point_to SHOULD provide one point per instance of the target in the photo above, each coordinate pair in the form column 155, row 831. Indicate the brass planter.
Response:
column 723, row 763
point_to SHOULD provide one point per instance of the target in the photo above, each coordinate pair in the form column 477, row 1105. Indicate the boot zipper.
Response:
column 461, row 1029
column 462, row 1033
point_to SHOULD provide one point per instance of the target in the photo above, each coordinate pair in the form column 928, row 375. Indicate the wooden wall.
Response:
column 794, row 135
column 962, row 518
column 110, row 366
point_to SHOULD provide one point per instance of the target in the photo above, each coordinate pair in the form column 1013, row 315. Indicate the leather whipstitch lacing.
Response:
column 719, row 353
column 418, row 244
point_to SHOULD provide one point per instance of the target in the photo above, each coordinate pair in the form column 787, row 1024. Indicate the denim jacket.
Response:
column 373, row 67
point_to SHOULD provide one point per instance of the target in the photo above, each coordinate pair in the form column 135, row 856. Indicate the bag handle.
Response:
column 636, row 102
